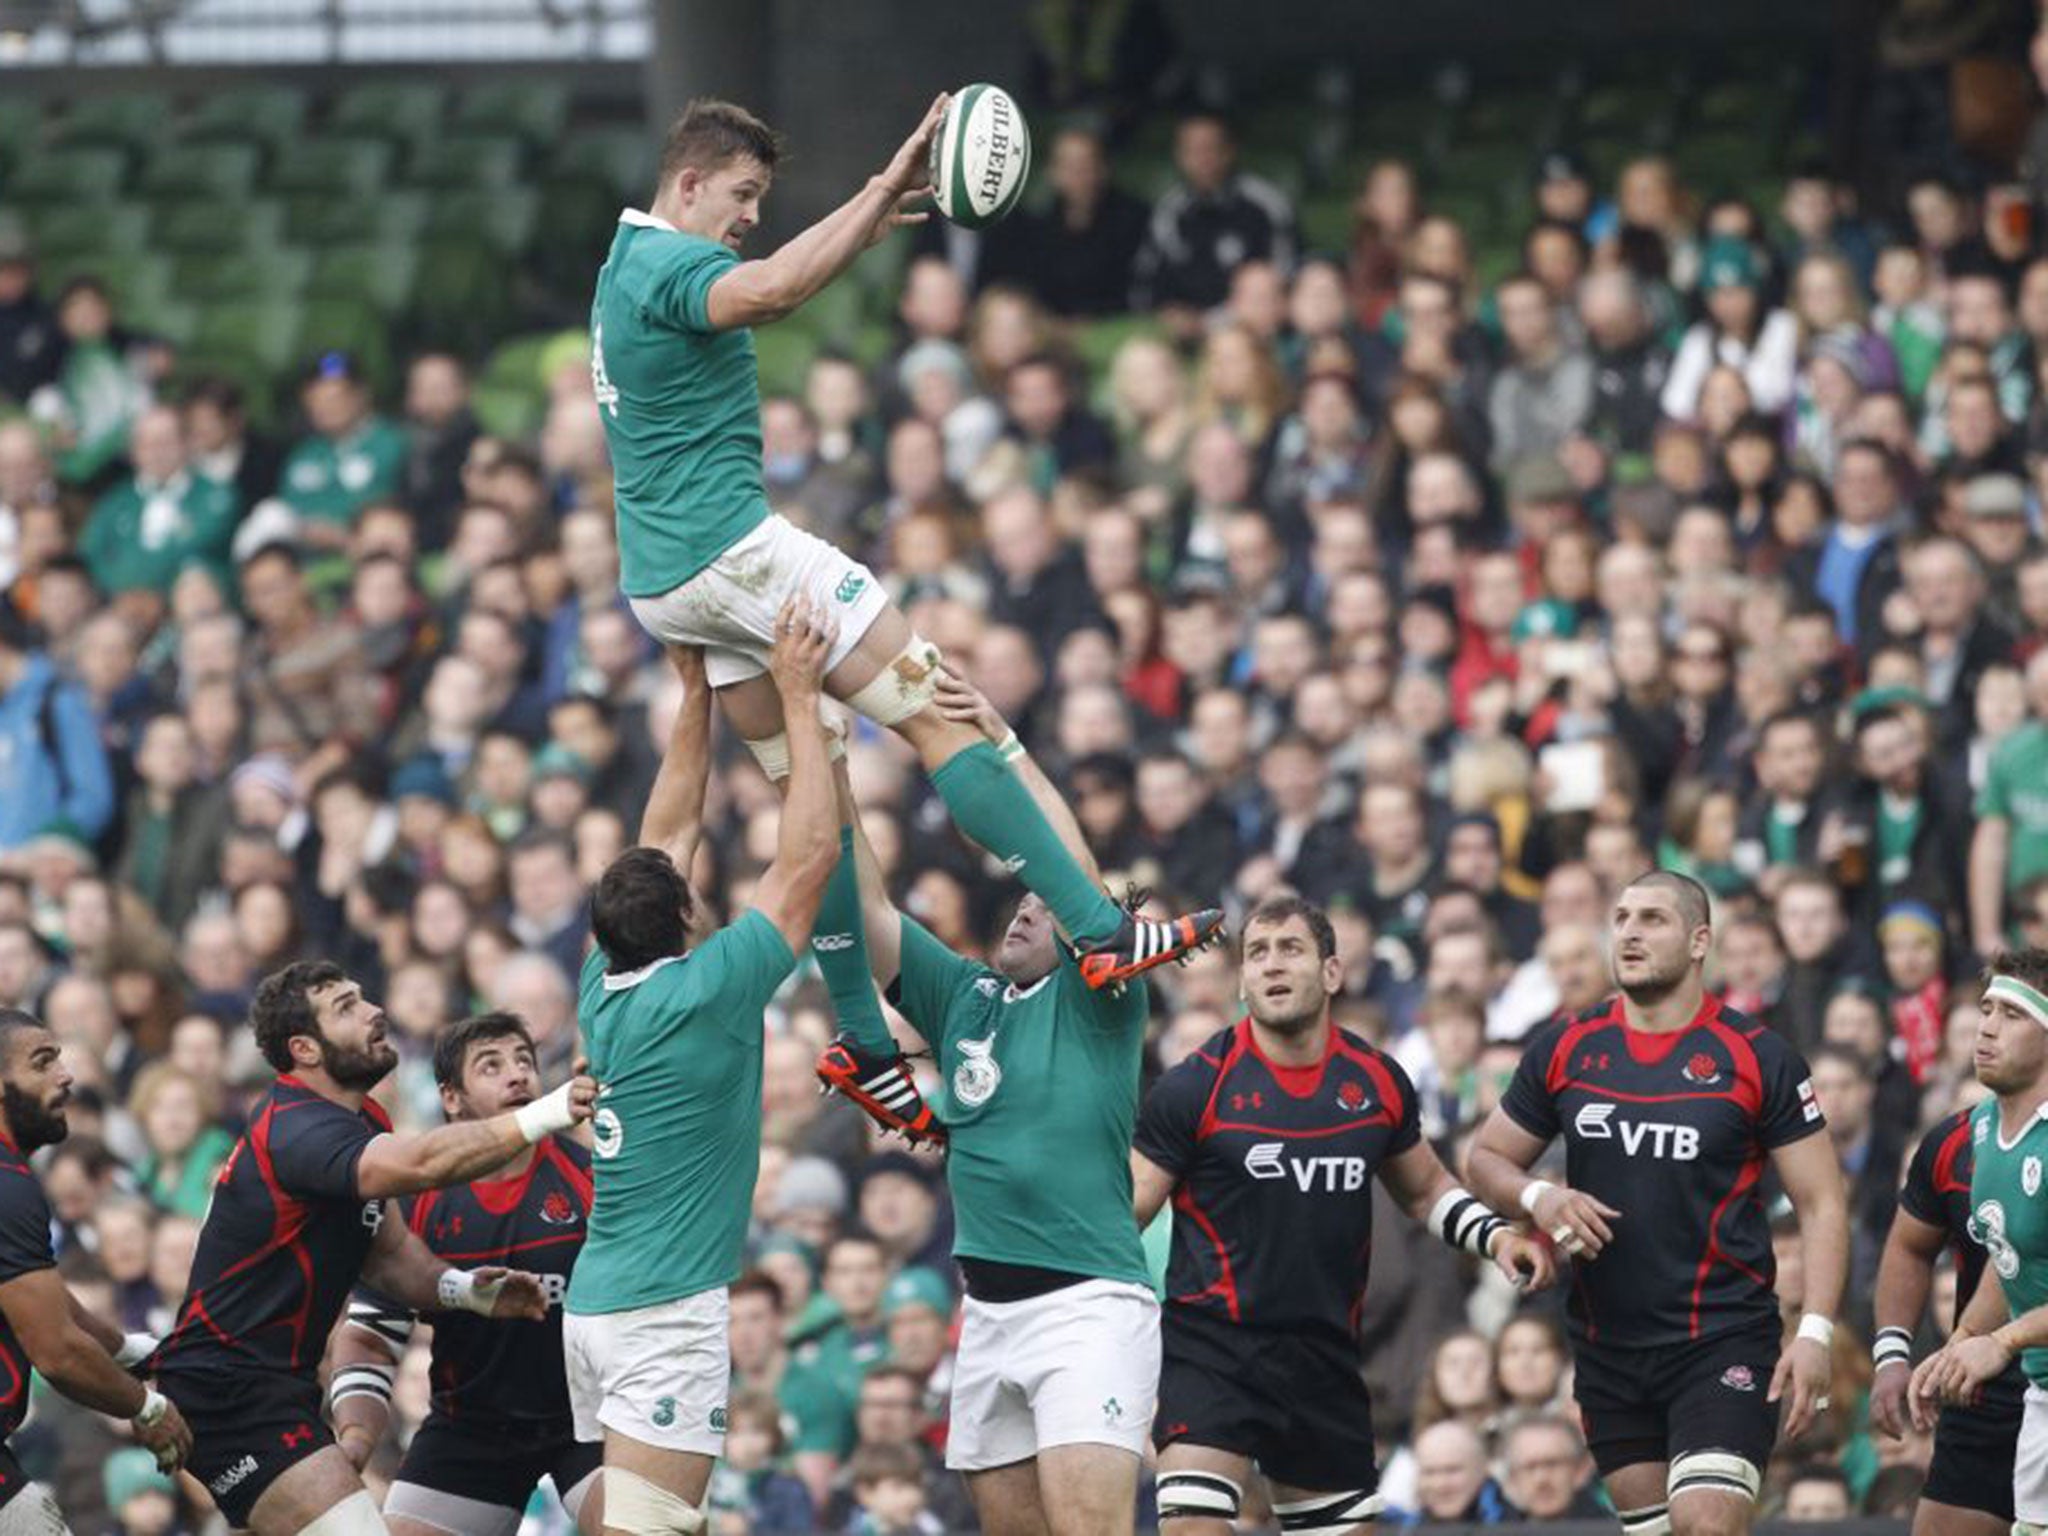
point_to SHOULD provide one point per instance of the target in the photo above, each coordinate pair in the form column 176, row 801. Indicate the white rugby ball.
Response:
column 981, row 156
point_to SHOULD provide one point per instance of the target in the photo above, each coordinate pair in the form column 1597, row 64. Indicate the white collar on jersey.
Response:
column 1998, row 1126
column 641, row 220
column 625, row 979
column 1012, row 995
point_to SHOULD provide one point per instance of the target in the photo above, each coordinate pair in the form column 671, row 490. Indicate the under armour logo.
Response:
column 1256, row 1099
column 297, row 1436
column 1593, row 1061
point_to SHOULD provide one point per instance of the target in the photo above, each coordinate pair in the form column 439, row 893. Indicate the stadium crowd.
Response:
column 1709, row 538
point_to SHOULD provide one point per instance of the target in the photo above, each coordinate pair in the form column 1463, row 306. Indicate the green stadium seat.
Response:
column 511, row 393
column 259, row 384
column 507, row 412
column 316, row 219
column 21, row 129
column 379, row 275
column 171, row 319
column 835, row 316
column 462, row 296
column 89, row 174
column 266, row 331
column 116, row 229
column 1281, row 166
column 466, row 160
column 1530, row 118
column 1097, row 342
column 217, row 278
column 622, row 160
column 503, row 220
column 348, row 325
column 408, row 111
column 534, row 110
column 1326, row 224
column 783, row 352
column 214, row 171
column 336, row 166
column 258, row 114
column 131, row 119
column 138, row 281
column 186, row 228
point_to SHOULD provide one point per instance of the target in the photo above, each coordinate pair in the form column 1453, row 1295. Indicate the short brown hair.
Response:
column 2027, row 965
column 711, row 134
column 1284, row 908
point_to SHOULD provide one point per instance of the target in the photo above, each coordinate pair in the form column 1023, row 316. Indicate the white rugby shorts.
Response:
column 658, row 1374
column 2030, row 1462
column 1077, row 1366
column 729, row 607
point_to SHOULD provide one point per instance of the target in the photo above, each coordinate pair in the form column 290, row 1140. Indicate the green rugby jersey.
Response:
column 680, row 402
column 1040, row 1095
column 2009, row 1216
column 676, row 1050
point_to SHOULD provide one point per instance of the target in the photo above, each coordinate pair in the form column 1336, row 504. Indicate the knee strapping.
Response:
column 355, row 1515
column 1328, row 1514
column 1198, row 1496
column 1713, row 1471
column 1651, row 1520
column 903, row 687
column 632, row 1503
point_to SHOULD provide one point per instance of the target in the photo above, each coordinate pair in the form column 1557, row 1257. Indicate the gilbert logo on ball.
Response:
column 981, row 157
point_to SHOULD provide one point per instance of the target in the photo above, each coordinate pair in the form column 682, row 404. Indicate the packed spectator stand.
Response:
column 1447, row 503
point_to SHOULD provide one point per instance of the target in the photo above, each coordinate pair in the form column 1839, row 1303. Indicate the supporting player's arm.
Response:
column 1904, row 1277
column 958, row 699
column 881, row 923
column 674, row 818
column 367, row 1348
column 1151, row 1187
column 394, row 1164
column 1423, row 1187
column 1497, row 1168
column 807, row 842
column 757, row 292
column 1812, row 1176
column 405, row 1269
column 74, row 1359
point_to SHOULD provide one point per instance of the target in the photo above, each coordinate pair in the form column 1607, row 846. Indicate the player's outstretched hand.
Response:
column 1956, row 1373
column 803, row 644
column 958, row 699
column 169, row 1439
column 519, row 1293
column 1804, row 1370
column 1527, row 1261
column 1575, row 1221
column 1888, row 1407
column 910, row 168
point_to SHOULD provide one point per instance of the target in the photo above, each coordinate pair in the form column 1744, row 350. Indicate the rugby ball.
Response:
column 981, row 156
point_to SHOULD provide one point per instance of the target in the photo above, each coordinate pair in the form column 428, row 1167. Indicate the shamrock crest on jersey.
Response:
column 977, row 1077
column 1987, row 1230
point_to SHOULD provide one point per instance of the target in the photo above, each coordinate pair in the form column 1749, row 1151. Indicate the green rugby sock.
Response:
column 991, row 805
column 839, row 940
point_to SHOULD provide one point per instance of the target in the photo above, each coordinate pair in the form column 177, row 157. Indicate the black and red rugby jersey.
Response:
column 495, row 1372
column 284, row 1239
column 1674, row 1131
column 24, row 1249
column 1273, row 1214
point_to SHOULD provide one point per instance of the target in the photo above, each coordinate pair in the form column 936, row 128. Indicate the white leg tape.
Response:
column 902, row 688
column 1328, row 1514
column 1198, row 1496
column 1714, row 1472
column 355, row 1515
column 772, row 753
column 1655, row 1520
column 632, row 1503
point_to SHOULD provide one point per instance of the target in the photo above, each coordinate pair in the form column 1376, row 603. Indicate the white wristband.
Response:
column 135, row 1348
column 1010, row 747
column 545, row 1115
column 1533, row 1191
column 1821, row 1330
column 459, row 1290
column 154, row 1406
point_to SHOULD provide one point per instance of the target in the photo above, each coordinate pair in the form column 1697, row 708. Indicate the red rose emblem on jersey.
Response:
column 1351, row 1096
column 1702, row 1069
column 556, row 1210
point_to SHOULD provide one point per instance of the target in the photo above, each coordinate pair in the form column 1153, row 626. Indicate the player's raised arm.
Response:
column 74, row 1359
column 674, row 818
column 413, row 1275
column 958, row 699
column 807, row 845
column 1427, row 1191
column 395, row 1164
column 365, row 1354
column 757, row 292
column 881, row 923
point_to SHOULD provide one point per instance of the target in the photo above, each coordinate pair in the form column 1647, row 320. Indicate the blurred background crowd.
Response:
column 1552, row 487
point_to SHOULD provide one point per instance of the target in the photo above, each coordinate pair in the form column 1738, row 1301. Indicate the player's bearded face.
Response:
column 1027, row 951
column 2011, row 1048
column 35, row 1109
column 363, row 1061
column 1287, row 984
column 1652, row 952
